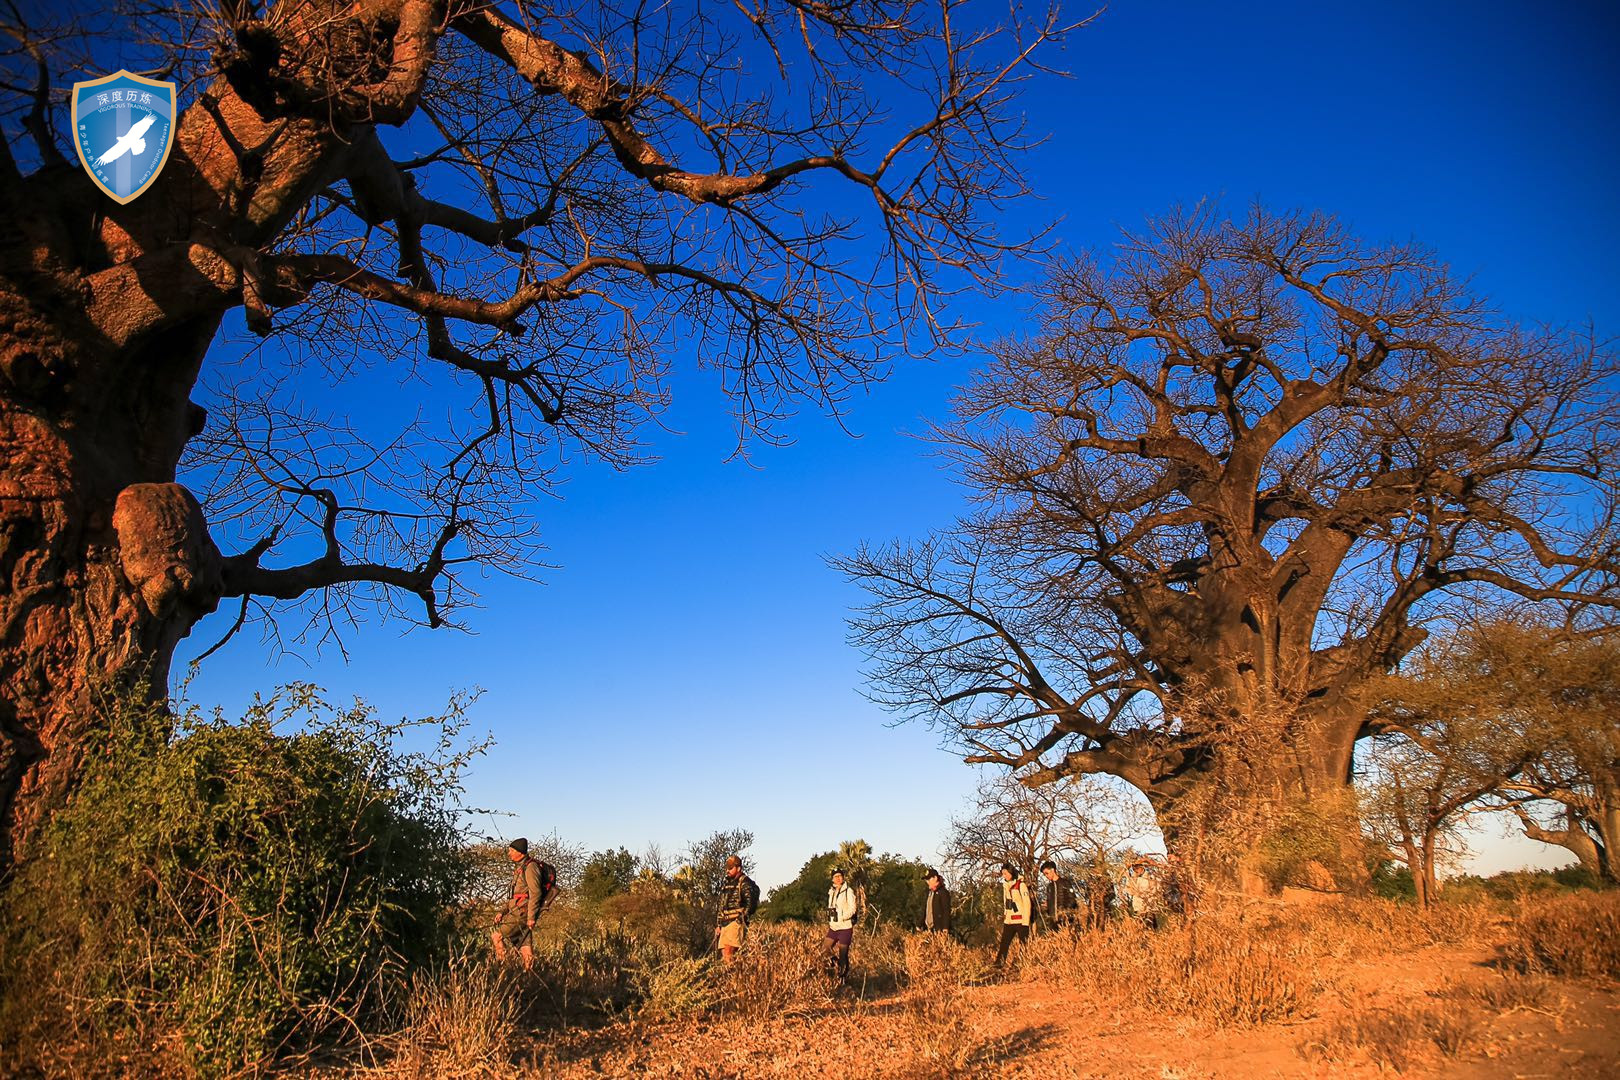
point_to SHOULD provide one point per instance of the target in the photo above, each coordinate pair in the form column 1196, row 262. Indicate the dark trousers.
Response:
column 1010, row 931
column 838, row 943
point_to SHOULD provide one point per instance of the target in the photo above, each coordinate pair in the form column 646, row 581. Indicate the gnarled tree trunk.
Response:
column 1266, row 799
column 107, row 562
column 106, row 313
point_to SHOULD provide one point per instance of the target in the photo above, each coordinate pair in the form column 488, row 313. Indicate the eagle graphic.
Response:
column 131, row 141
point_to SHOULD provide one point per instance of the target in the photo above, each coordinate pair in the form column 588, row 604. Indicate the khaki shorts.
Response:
column 732, row 934
column 514, row 927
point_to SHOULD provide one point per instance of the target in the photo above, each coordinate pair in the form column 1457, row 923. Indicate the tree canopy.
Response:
column 1226, row 478
column 474, row 237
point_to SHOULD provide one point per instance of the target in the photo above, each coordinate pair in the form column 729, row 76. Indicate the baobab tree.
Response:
column 1221, row 485
column 518, row 211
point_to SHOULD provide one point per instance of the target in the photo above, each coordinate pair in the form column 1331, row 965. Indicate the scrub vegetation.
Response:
column 293, row 892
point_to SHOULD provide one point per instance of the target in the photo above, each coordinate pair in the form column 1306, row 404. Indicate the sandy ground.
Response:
column 1037, row 1030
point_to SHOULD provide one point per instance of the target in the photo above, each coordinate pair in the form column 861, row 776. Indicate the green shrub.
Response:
column 680, row 988
column 1392, row 881
column 217, row 894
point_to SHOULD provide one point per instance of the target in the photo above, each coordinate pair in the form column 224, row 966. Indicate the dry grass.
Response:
column 1223, row 971
column 781, row 971
column 462, row 1022
column 1577, row 935
column 938, row 1023
column 1509, row 991
column 935, row 959
column 1397, row 1038
column 930, row 1007
column 678, row 989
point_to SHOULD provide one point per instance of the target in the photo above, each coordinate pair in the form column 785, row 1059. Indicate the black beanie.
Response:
column 520, row 845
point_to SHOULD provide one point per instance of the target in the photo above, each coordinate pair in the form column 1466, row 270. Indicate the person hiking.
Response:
column 1015, row 911
column 842, row 909
column 936, row 904
column 1097, row 895
column 533, row 888
column 739, row 896
column 1059, row 908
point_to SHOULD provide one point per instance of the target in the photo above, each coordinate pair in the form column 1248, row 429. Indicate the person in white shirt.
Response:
column 841, row 911
column 1015, row 905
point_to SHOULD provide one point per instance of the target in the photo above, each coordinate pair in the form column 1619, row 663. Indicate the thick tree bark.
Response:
column 1270, row 788
column 106, row 313
column 107, row 562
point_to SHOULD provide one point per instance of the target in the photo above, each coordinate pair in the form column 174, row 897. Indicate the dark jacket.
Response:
column 739, row 897
column 1058, row 903
column 942, row 908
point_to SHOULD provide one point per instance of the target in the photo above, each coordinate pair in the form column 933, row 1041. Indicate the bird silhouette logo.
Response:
column 128, row 143
column 124, row 128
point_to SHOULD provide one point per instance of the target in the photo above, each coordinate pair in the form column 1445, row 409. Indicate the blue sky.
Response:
column 683, row 667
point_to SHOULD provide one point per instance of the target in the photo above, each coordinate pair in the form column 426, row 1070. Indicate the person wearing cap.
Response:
column 936, row 904
column 739, row 896
column 1015, row 911
column 516, row 925
column 1059, row 907
column 841, row 910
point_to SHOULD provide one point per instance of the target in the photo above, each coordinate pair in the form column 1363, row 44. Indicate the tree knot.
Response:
column 165, row 550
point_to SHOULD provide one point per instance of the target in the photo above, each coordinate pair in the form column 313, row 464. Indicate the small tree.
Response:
column 1416, row 799
column 1451, row 731
column 607, row 873
column 855, row 859
column 702, row 877
column 893, row 886
column 1081, row 820
column 493, row 865
column 1565, row 690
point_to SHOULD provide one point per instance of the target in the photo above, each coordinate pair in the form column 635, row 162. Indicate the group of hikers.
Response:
column 1053, row 903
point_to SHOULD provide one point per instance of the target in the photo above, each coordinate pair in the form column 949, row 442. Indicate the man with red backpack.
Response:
column 534, row 885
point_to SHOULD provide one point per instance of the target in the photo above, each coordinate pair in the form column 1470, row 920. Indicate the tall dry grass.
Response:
column 1224, row 972
column 1577, row 935
column 460, row 1022
column 1241, row 966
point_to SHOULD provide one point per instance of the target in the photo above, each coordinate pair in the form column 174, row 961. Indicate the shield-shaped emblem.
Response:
column 123, row 126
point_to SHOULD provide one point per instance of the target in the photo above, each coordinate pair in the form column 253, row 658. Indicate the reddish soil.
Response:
column 1566, row 1029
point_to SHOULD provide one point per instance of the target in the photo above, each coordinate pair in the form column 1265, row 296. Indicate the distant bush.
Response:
column 218, row 894
column 606, row 874
column 894, row 891
column 1392, row 881
column 1516, row 884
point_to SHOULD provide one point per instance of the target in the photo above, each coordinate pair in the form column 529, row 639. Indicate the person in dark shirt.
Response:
column 937, row 904
column 529, row 899
column 1059, row 908
column 739, row 896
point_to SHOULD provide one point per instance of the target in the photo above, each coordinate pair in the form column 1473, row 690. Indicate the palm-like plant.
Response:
column 855, row 858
